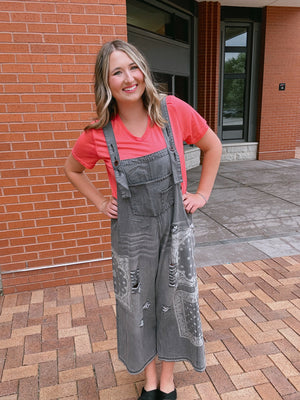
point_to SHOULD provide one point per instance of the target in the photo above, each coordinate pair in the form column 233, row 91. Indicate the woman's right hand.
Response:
column 109, row 207
column 75, row 173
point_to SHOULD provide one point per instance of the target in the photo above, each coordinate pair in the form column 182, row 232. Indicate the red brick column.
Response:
column 209, row 61
column 47, row 53
column 280, row 117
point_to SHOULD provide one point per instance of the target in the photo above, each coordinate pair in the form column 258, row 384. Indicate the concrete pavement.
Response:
column 253, row 212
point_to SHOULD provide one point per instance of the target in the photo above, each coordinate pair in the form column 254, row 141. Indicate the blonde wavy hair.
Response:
column 106, row 106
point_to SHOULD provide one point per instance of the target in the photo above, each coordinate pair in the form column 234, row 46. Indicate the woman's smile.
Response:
column 130, row 88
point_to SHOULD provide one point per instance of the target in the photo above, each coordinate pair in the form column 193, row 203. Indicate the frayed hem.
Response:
column 136, row 372
column 139, row 370
column 183, row 359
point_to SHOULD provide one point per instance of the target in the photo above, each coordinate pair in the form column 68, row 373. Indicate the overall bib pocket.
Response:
column 155, row 198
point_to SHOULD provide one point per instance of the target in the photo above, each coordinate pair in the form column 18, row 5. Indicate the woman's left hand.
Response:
column 192, row 202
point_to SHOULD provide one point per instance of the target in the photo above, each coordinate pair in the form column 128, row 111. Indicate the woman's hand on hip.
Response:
column 192, row 202
column 109, row 207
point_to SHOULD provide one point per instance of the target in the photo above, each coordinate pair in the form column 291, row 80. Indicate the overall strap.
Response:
column 169, row 138
column 115, row 160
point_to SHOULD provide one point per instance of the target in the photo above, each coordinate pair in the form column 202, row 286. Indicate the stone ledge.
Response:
column 192, row 156
column 231, row 152
column 239, row 151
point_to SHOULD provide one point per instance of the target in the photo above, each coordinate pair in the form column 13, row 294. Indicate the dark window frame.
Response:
column 252, row 17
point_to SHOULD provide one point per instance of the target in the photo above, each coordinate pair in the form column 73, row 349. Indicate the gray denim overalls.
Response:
column 154, row 273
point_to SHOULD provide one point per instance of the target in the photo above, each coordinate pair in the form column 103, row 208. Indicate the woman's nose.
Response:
column 128, row 76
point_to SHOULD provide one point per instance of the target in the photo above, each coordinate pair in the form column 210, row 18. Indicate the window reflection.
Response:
column 233, row 101
column 236, row 36
column 234, row 82
column 156, row 20
column 163, row 82
column 235, row 63
column 173, row 84
column 147, row 17
column 181, row 29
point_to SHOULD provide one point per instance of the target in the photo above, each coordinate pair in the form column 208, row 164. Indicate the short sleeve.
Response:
column 191, row 124
column 85, row 150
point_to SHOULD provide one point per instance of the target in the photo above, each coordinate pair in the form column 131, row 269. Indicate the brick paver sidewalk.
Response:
column 60, row 343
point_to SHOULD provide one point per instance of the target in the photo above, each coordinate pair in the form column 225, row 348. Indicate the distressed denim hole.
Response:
column 172, row 275
column 147, row 305
column 135, row 281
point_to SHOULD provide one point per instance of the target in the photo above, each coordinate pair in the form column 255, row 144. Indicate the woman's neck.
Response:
column 135, row 118
column 132, row 112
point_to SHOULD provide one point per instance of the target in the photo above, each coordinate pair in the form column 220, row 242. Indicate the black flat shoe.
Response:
column 167, row 396
column 151, row 395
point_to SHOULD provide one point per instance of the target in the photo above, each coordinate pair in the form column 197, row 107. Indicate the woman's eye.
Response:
column 134, row 67
column 116, row 73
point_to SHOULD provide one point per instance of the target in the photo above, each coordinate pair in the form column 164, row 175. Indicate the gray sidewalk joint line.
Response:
column 246, row 239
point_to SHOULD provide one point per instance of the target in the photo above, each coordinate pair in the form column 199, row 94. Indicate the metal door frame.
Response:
column 251, row 82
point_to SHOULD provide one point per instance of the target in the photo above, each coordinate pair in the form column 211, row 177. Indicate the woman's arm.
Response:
column 211, row 147
column 75, row 173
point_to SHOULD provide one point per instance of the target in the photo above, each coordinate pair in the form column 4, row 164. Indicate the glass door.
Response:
column 235, row 75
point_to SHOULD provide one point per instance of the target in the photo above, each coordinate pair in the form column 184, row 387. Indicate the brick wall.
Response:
column 280, row 117
column 47, row 52
column 209, row 61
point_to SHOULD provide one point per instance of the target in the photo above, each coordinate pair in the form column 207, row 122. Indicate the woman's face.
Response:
column 126, row 80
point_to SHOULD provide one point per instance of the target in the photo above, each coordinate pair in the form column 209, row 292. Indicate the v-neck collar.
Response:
column 127, row 131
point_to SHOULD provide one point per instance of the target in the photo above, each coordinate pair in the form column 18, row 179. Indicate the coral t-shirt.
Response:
column 187, row 125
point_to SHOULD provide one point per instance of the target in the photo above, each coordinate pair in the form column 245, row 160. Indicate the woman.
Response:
column 139, row 134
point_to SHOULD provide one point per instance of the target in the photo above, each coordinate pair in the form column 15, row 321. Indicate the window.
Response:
column 163, row 34
column 156, row 20
column 239, row 73
column 235, row 80
column 173, row 84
